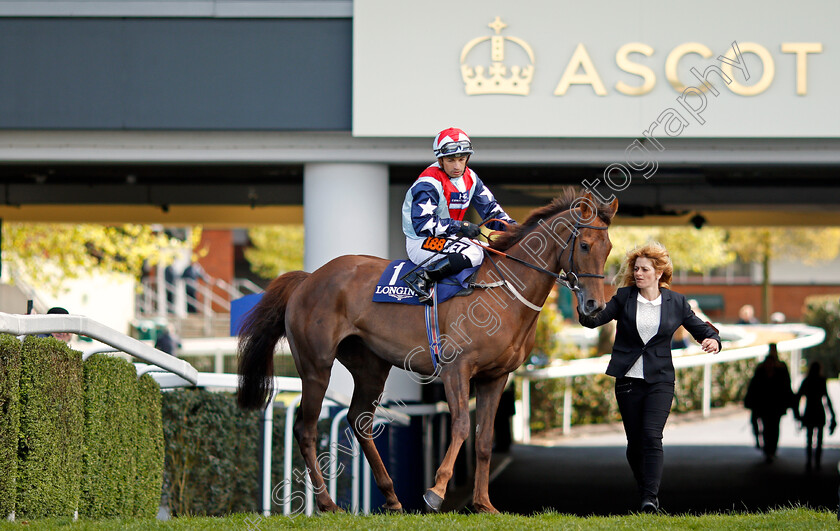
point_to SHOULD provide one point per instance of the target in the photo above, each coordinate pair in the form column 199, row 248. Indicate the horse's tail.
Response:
column 262, row 328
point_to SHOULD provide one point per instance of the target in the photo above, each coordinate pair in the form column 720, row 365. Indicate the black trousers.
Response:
column 644, row 410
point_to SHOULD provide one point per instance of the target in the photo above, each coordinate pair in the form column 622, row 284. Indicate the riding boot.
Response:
column 421, row 281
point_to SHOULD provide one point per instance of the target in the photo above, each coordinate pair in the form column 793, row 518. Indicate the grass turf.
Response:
column 790, row 518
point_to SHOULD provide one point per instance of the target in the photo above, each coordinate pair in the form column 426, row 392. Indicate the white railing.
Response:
column 20, row 325
column 160, row 298
column 807, row 336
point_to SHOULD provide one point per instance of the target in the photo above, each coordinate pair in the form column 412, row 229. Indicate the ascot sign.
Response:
column 499, row 78
column 566, row 69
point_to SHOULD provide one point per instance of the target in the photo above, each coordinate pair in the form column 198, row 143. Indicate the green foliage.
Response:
column 108, row 460
column 549, row 326
column 211, row 455
column 149, row 448
column 730, row 381
column 51, row 428
column 682, row 244
column 49, row 253
column 9, row 420
column 688, row 390
column 275, row 249
column 824, row 312
column 592, row 401
column 83, row 437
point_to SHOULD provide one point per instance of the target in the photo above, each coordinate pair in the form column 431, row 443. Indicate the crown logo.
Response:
column 495, row 78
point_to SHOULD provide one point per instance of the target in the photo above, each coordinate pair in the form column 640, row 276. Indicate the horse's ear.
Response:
column 613, row 208
column 585, row 204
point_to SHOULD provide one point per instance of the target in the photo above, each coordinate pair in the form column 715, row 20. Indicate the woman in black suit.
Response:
column 647, row 314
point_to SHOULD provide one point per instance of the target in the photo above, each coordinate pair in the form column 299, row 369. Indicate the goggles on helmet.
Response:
column 454, row 148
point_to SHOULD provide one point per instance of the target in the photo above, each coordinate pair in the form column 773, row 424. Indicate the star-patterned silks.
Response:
column 428, row 208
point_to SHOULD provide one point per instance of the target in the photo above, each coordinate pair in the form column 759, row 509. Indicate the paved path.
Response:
column 711, row 465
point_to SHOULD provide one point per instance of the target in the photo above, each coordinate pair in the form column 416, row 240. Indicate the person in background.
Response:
column 815, row 391
column 61, row 336
column 769, row 396
column 647, row 313
column 191, row 275
column 168, row 341
column 746, row 315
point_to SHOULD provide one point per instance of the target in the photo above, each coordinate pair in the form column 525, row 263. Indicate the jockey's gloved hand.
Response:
column 470, row 230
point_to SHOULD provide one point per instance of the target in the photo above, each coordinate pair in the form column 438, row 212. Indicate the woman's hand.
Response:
column 709, row 345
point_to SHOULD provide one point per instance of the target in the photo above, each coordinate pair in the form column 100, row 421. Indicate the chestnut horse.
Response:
column 328, row 315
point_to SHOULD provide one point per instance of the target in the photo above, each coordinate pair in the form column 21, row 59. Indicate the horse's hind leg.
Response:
column 369, row 375
column 487, row 394
column 314, row 382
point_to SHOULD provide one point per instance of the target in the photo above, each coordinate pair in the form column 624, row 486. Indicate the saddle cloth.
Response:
column 391, row 289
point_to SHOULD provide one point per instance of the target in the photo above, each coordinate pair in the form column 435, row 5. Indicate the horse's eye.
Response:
column 584, row 246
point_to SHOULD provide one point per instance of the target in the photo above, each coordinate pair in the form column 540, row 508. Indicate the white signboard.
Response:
column 559, row 68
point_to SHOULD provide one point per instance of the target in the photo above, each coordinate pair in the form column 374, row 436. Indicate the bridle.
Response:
column 567, row 278
column 571, row 277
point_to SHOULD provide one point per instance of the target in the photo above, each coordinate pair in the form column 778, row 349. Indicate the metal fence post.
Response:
column 707, row 390
column 526, row 410
column 567, row 406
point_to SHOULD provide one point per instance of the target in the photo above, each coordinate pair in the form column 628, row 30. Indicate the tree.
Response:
column 690, row 249
column 763, row 244
column 47, row 254
column 275, row 249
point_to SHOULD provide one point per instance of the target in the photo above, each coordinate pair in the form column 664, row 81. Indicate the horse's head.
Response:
column 587, row 253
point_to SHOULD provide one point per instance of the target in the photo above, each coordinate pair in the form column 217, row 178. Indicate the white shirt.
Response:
column 647, row 323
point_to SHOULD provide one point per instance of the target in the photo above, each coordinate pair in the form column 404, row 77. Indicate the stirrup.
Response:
column 426, row 298
column 416, row 282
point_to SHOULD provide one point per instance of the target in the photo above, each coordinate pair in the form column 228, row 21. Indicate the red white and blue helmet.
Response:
column 452, row 141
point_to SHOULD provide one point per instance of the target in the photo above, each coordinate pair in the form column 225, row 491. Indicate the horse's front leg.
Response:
column 456, row 383
column 487, row 395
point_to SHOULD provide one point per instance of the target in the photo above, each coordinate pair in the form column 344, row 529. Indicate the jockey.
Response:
column 433, row 213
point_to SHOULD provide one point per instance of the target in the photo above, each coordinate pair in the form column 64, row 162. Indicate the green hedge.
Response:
column 149, row 445
column 76, row 437
column 9, row 421
column 824, row 311
column 213, row 454
column 51, row 427
column 108, row 471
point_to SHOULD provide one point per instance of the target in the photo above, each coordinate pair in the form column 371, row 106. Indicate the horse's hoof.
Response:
column 392, row 508
column 433, row 501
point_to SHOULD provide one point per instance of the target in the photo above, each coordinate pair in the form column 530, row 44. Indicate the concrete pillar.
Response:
column 345, row 211
column 396, row 238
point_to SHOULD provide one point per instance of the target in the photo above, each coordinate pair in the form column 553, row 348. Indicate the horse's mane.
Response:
column 561, row 203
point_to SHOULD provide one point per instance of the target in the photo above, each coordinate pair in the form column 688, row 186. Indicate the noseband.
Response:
column 570, row 278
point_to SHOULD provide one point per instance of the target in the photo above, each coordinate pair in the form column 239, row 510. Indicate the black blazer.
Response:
column 628, row 346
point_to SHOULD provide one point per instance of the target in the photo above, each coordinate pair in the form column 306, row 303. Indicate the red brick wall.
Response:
column 218, row 262
column 788, row 299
